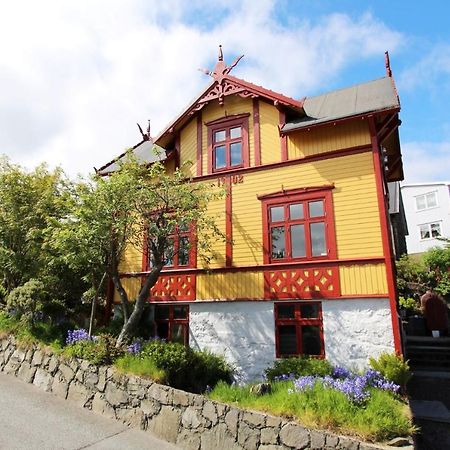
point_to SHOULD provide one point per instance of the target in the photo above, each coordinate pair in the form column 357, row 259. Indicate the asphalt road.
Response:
column 33, row 419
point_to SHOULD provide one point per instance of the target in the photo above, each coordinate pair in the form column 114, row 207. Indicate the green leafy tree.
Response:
column 118, row 212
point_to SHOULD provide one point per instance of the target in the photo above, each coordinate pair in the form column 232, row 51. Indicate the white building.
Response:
column 427, row 209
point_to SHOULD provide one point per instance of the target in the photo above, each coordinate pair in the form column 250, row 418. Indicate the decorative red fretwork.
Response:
column 317, row 282
column 174, row 287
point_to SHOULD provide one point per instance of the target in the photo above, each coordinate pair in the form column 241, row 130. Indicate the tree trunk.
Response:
column 94, row 305
column 123, row 296
column 131, row 324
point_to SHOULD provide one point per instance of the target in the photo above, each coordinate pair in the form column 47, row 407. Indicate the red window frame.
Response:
column 298, row 321
column 172, row 322
column 226, row 124
column 176, row 237
column 304, row 197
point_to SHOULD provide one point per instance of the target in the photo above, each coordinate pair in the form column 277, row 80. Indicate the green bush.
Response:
column 409, row 304
column 393, row 367
column 145, row 368
column 185, row 368
column 101, row 350
column 300, row 366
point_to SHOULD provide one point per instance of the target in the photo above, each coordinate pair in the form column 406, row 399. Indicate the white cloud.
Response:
column 426, row 161
column 75, row 76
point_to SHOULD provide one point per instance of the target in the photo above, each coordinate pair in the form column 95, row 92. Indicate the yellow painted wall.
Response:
column 238, row 285
column 329, row 138
column 188, row 146
column 131, row 286
column 132, row 260
column 367, row 279
column 232, row 105
column 269, row 118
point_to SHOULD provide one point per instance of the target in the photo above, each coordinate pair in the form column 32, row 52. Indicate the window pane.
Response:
column 278, row 243
column 169, row 252
column 296, row 211
column 183, row 251
column 162, row 312
column 298, row 241
column 180, row 311
column 235, row 132
column 287, row 340
column 277, row 213
column 309, row 311
column 220, row 157
column 286, row 311
column 435, row 230
column 219, row 136
column 162, row 330
column 318, row 247
column 431, row 200
column 177, row 333
column 236, row 154
column 311, row 341
column 424, row 232
column 316, row 209
column 420, row 202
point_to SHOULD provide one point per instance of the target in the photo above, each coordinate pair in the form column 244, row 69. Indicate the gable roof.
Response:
column 373, row 96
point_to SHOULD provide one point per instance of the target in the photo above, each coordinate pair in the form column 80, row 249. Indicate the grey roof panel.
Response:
column 145, row 153
column 377, row 95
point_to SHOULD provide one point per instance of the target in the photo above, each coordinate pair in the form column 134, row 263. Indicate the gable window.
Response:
column 430, row 230
column 228, row 143
column 299, row 329
column 426, row 201
column 172, row 323
column 299, row 227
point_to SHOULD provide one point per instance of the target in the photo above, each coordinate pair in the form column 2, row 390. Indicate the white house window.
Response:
column 426, row 201
column 430, row 230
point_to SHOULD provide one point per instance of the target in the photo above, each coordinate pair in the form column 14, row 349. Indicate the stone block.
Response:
column 158, row 393
column 188, row 440
column 59, row 386
column 101, row 406
column 150, row 407
column 331, row 441
column 114, row 395
column 348, row 444
column 270, row 435
column 293, row 435
column 166, row 424
column 90, row 379
column 232, row 420
column 209, row 412
column 317, row 440
column 26, row 372
column 254, row 419
column 219, row 438
column 180, row 398
column 273, row 421
column 53, row 365
column 67, row 372
column 272, row 447
column 79, row 394
column 248, row 437
column 101, row 384
column 130, row 416
column 192, row 418
column 43, row 380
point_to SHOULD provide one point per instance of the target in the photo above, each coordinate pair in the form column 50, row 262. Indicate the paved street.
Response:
column 32, row 419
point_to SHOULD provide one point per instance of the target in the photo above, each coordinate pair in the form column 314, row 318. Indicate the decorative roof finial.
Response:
column 220, row 53
column 221, row 69
column 388, row 64
column 148, row 130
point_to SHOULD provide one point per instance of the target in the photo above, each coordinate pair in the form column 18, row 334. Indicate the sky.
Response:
column 76, row 76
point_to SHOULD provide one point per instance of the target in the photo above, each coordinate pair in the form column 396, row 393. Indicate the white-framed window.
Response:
column 430, row 230
column 426, row 201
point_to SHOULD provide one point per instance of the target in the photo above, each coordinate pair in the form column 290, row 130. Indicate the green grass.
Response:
column 381, row 418
column 143, row 367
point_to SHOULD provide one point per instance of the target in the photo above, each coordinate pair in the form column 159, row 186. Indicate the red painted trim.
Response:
column 307, row 159
column 229, row 224
column 256, row 132
column 223, row 121
column 386, row 237
column 293, row 192
column 144, row 262
column 267, row 266
column 363, row 116
column 283, row 139
column 199, row 144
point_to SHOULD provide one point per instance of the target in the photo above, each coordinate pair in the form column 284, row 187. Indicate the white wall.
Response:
column 241, row 331
column 414, row 218
column 244, row 332
column 355, row 329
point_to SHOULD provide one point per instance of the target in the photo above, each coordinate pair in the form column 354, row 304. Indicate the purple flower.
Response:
column 305, row 383
column 135, row 347
column 340, row 372
column 74, row 336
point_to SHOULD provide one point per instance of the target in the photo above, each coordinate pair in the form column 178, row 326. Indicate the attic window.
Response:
column 228, row 143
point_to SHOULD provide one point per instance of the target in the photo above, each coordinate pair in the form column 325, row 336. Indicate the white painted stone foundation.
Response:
column 244, row 332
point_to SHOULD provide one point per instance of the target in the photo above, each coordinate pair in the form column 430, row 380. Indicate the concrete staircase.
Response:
column 428, row 353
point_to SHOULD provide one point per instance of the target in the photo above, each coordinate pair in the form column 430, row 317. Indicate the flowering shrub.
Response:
column 355, row 387
column 291, row 368
column 74, row 336
column 135, row 347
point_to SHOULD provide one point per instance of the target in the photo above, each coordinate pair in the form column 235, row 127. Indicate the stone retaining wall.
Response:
column 191, row 421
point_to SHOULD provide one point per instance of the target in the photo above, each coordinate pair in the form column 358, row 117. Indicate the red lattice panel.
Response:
column 174, row 287
column 317, row 282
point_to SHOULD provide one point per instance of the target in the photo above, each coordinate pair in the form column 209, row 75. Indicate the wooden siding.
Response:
column 232, row 105
column 329, row 138
column 132, row 260
column 237, row 285
column 131, row 286
column 270, row 136
column 361, row 280
column 188, row 146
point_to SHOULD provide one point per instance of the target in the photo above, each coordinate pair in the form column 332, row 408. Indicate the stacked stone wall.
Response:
column 191, row 421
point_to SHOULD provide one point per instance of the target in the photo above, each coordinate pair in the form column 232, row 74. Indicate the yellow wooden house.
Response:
column 307, row 268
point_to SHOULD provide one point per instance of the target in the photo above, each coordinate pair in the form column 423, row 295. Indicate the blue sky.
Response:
column 76, row 76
